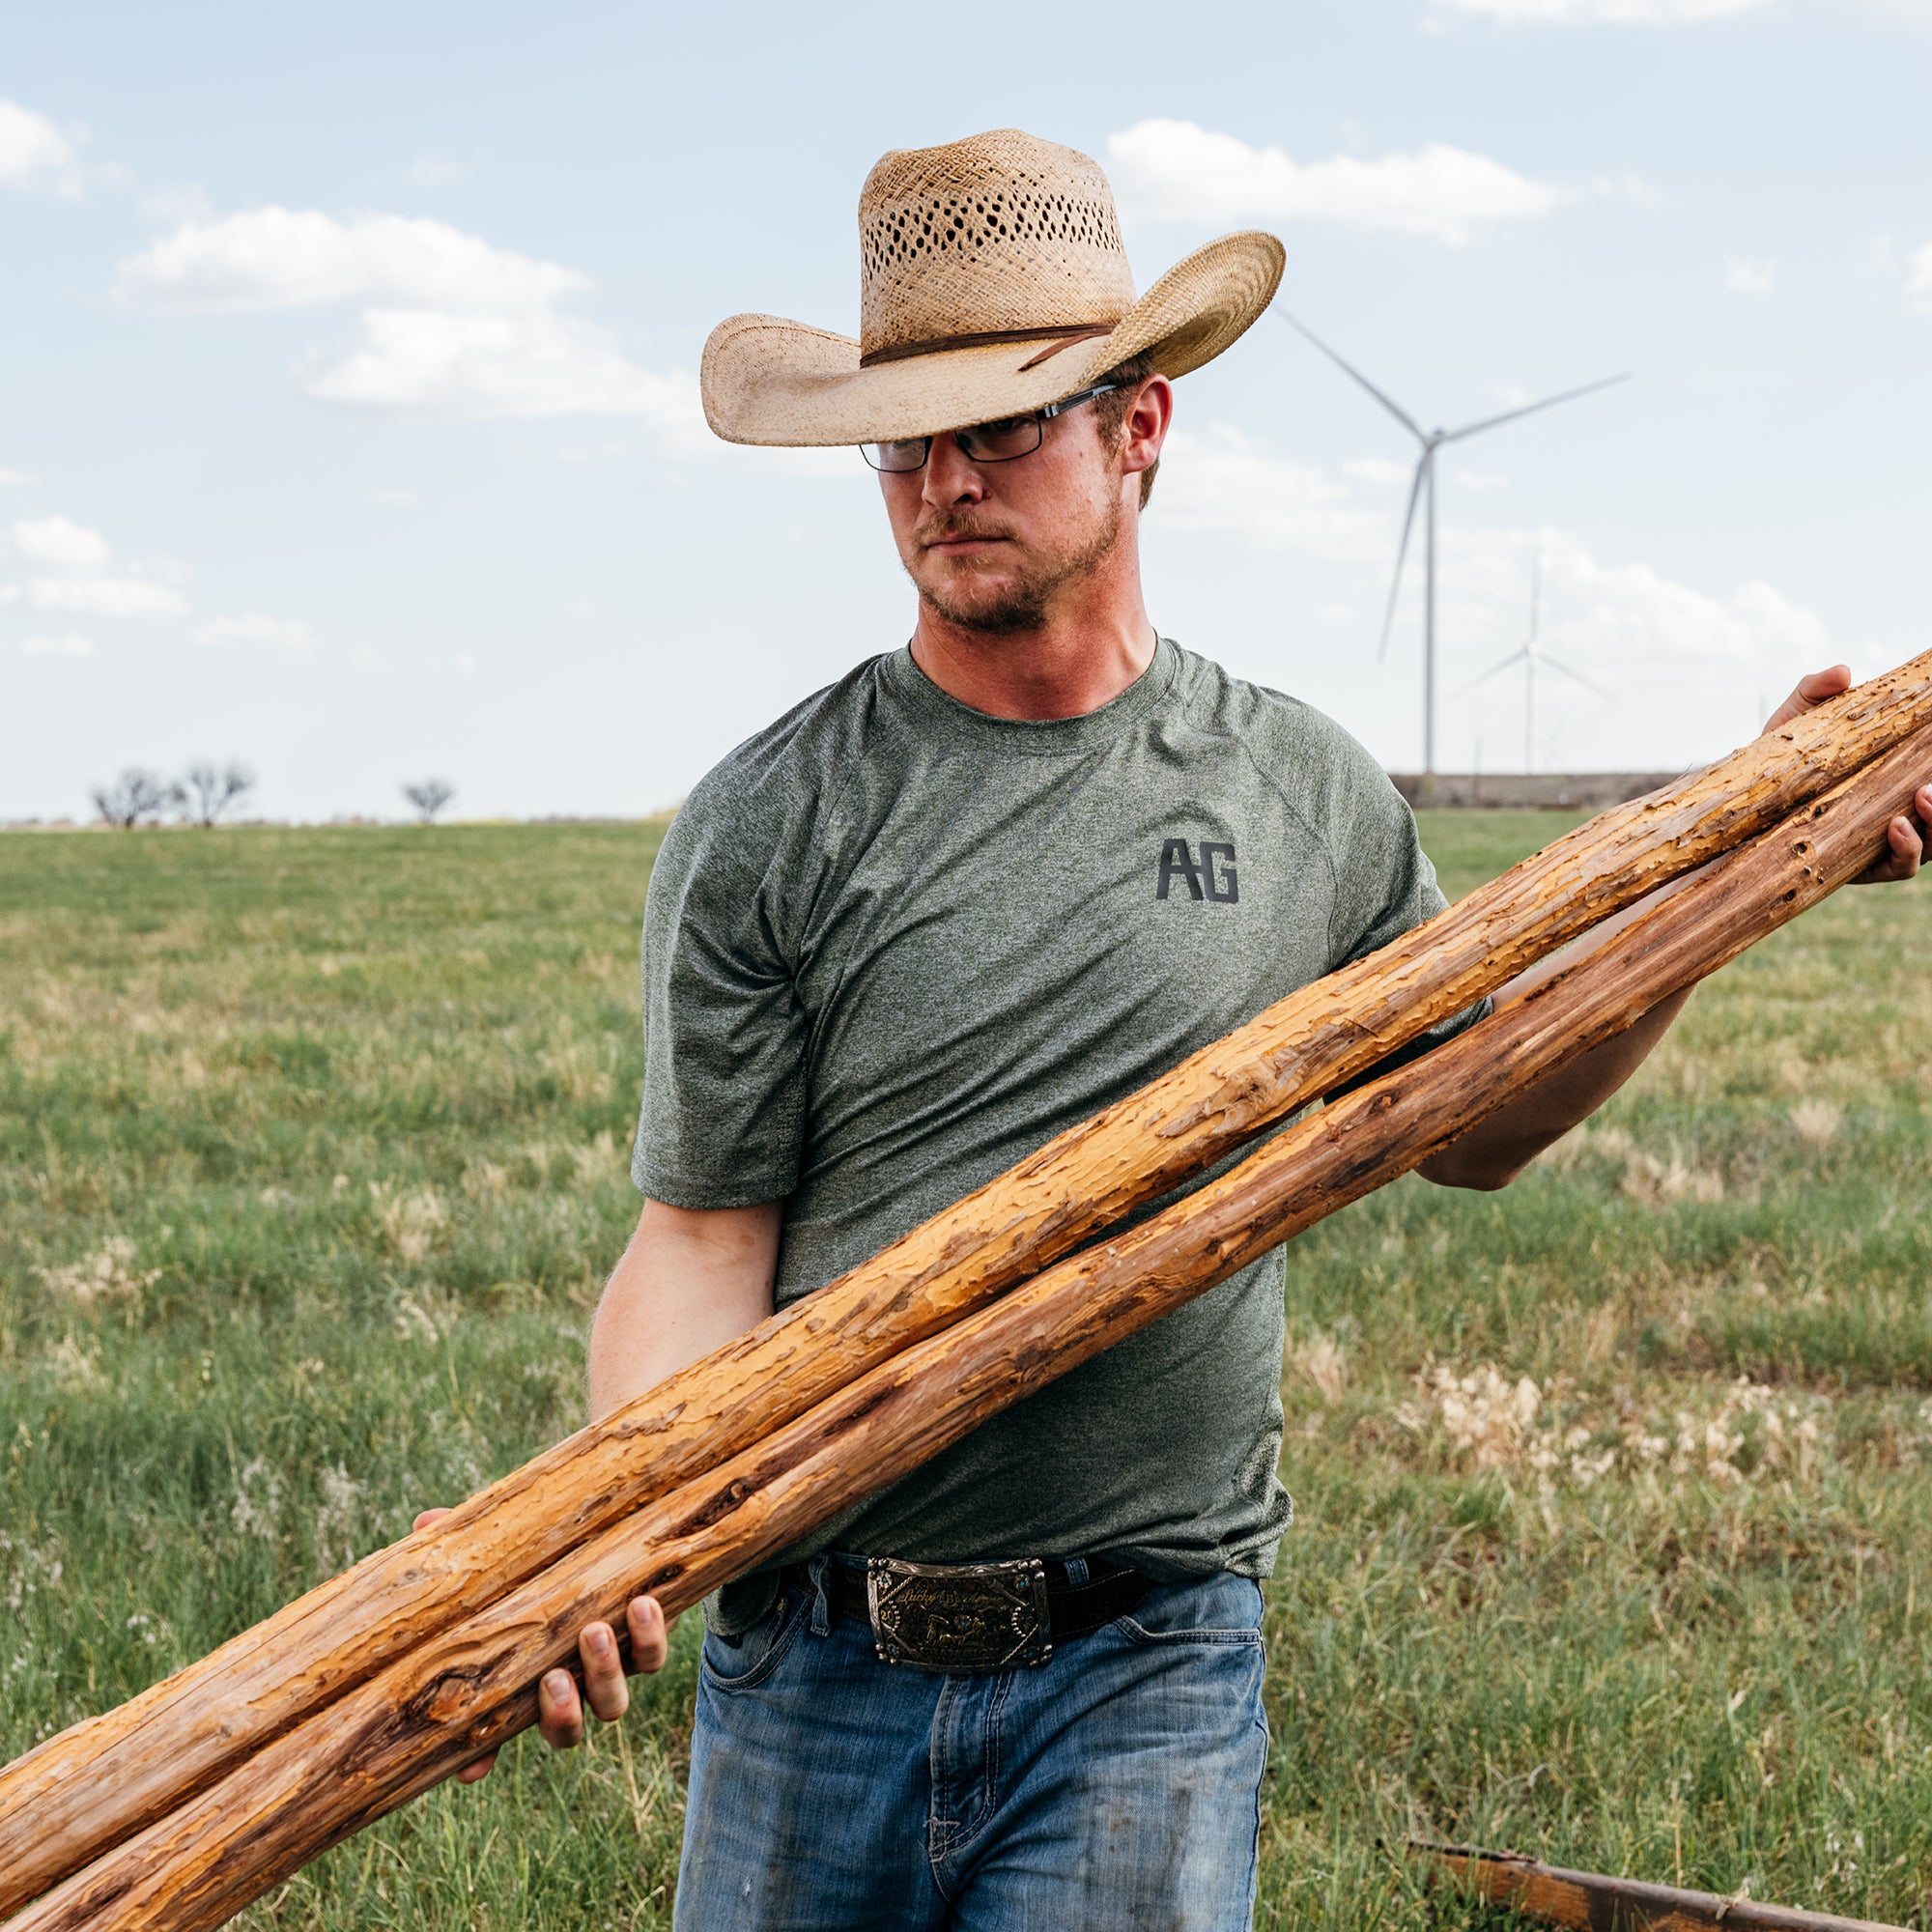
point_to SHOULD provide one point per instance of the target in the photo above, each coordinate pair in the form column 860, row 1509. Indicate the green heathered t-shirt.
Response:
column 892, row 944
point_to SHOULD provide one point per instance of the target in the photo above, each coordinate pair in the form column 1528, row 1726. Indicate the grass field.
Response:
column 1614, row 1490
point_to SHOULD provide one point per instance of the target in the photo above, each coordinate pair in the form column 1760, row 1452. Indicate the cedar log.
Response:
column 67, row 1801
column 1596, row 1902
column 470, row 1689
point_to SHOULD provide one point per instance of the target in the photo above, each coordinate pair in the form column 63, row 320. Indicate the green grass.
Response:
column 1614, row 1501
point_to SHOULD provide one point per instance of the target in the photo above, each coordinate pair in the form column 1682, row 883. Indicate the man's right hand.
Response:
column 559, row 1706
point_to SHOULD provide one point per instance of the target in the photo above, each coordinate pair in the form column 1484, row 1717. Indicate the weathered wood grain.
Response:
column 468, row 1689
column 80, row 1791
column 1596, row 1902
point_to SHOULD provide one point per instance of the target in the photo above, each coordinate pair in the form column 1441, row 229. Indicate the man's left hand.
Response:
column 1904, row 838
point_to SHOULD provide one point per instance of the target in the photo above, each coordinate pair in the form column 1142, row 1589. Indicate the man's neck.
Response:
column 1078, row 658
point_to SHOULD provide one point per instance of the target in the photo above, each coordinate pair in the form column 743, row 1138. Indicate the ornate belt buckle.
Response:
column 959, row 1616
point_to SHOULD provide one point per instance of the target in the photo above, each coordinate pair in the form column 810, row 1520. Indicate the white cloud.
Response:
column 1223, row 481
column 9, row 594
column 1378, row 470
column 70, row 644
column 1691, row 666
column 1652, row 12
column 396, row 499
column 1175, row 170
column 1919, row 282
column 78, row 561
column 272, row 257
column 57, row 544
column 1481, row 479
column 1749, row 277
column 465, row 664
column 504, row 365
column 106, row 596
column 279, row 634
column 33, row 151
column 451, row 326
column 1686, row 663
column 11, row 477
column 1613, row 621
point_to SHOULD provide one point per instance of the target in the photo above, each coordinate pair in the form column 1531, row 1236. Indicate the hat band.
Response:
column 1061, row 337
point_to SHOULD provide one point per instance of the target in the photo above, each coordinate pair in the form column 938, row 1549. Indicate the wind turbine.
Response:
column 1431, row 439
column 1529, row 657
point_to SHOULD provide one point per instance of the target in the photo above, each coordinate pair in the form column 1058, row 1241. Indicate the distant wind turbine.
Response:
column 1529, row 657
column 1431, row 439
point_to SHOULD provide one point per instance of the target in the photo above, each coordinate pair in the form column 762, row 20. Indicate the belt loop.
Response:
column 821, row 1600
column 1077, row 1572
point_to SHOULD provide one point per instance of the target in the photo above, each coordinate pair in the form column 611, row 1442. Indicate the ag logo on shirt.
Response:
column 1213, row 877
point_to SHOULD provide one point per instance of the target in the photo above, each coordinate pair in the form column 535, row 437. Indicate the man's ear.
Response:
column 1143, row 431
column 1148, row 418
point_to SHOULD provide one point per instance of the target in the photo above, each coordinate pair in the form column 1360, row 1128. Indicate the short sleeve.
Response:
column 725, row 1037
column 1383, row 881
column 1385, row 886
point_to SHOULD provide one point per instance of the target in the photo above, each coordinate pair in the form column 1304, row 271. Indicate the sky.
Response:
column 348, row 422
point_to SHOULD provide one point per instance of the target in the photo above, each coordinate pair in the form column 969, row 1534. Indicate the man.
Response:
column 966, row 897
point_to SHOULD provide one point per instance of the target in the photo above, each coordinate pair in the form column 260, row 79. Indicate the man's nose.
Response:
column 950, row 476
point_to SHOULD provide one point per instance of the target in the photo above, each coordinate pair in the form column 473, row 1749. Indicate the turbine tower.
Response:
column 1431, row 439
column 1529, row 657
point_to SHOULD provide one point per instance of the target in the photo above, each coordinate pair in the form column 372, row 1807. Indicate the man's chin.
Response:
column 968, row 596
column 997, row 609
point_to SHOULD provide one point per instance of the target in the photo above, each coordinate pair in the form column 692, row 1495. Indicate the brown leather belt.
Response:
column 978, row 1616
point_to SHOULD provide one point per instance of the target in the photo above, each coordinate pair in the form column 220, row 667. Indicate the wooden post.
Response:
column 469, row 1689
column 1596, row 1902
column 64, row 1802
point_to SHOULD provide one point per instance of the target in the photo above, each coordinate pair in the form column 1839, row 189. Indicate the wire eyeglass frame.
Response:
column 888, row 458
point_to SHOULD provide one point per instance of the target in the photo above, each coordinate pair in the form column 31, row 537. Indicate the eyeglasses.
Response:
column 1002, row 441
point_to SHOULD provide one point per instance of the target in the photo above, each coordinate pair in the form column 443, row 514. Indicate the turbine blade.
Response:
column 1504, row 665
column 1588, row 684
column 1530, row 409
column 1395, row 409
column 1400, row 556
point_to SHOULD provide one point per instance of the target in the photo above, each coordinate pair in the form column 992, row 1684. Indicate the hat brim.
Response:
column 785, row 384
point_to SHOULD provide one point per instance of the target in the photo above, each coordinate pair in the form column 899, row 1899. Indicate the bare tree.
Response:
column 207, row 790
column 428, row 797
column 137, row 794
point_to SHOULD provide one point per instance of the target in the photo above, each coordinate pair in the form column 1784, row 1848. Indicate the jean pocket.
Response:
column 745, row 1665
column 1223, row 1610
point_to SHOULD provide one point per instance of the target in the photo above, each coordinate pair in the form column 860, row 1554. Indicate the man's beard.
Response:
column 1023, row 604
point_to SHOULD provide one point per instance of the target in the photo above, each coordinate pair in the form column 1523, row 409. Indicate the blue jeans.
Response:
column 1116, row 1785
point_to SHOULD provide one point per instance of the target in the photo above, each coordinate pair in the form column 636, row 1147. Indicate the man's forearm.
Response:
column 1495, row 1153
column 690, row 1281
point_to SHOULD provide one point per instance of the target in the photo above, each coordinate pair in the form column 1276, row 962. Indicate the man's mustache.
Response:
column 955, row 529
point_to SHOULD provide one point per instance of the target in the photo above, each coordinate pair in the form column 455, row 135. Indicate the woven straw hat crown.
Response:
column 992, row 281
column 1000, row 234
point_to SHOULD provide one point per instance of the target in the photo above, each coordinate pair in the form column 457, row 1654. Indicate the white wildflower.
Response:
column 1323, row 1360
column 335, row 1520
column 410, row 1222
column 258, row 1501
column 105, row 1276
column 1483, row 1413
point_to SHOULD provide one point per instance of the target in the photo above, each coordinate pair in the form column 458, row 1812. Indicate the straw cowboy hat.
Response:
column 992, row 282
